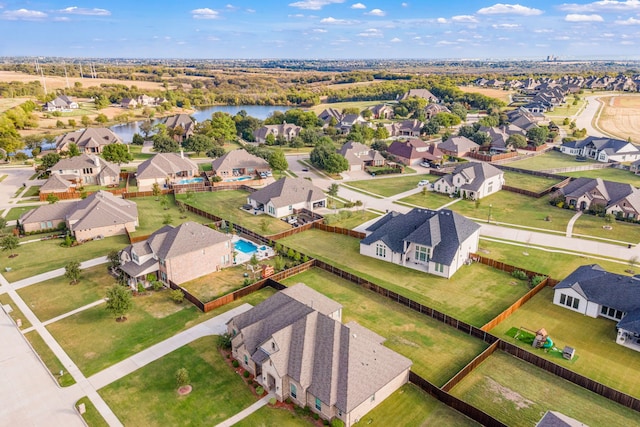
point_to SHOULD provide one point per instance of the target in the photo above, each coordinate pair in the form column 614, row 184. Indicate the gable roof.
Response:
column 55, row 184
column 608, row 145
column 86, row 161
column 89, row 137
column 288, row 191
column 458, row 144
column 238, row 158
column 53, row 211
column 611, row 191
column 557, row 419
column 443, row 231
column 414, row 148
column 477, row 173
column 183, row 120
column 101, row 209
column 420, row 93
column 169, row 242
column 164, row 164
column 356, row 153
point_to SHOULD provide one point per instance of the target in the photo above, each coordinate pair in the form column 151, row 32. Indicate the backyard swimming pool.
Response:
column 240, row 178
column 190, row 181
column 245, row 246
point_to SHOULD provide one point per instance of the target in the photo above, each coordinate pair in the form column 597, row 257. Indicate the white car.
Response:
column 423, row 183
column 425, row 164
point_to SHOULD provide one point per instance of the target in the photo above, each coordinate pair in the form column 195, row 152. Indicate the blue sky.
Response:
column 429, row 29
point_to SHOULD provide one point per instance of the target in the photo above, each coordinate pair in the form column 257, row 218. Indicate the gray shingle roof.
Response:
column 188, row 237
column 477, row 173
column 358, row 153
column 89, row 137
column 164, row 164
column 239, row 159
column 101, row 209
column 443, row 230
column 458, row 144
column 610, row 190
column 55, row 184
column 288, row 191
column 85, row 161
column 556, row 419
column 55, row 211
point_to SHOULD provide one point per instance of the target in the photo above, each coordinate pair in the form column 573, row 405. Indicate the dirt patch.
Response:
column 620, row 116
column 162, row 309
column 57, row 82
column 184, row 390
column 90, row 355
column 404, row 341
column 505, row 393
column 500, row 94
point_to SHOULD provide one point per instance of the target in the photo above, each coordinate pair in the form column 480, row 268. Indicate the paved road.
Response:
column 585, row 118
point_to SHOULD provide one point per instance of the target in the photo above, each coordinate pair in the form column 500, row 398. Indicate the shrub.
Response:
column 177, row 296
column 235, row 363
column 325, row 422
column 315, row 416
column 246, row 374
column 157, row 285
column 224, row 341
column 337, row 422
column 182, row 377
column 519, row 274
column 141, row 288
column 259, row 390
column 536, row 280
column 288, row 401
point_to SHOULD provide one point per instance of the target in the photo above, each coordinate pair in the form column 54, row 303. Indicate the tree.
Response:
column 114, row 259
column 220, row 127
column 9, row 137
column 459, row 110
column 432, row 127
column 164, row 202
column 85, row 120
column 446, row 119
column 278, row 161
column 333, row 190
column 3, row 223
column 137, row 139
column 9, row 243
column 538, row 135
column 163, row 143
column 73, row 150
column 49, row 160
column 198, row 144
column 481, row 138
column 517, row 141
column 117, row 153
column 101, row 118
column 72, row 271
column 381, row 132
column 155, row 190
column 216, row 152
column 119, row 301
column 270, row 139
column 146, row 127
column 182, row 377
column 52, row 198
column 336, row 163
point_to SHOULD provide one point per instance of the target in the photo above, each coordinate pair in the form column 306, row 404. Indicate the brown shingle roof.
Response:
column 238, row 159
column 87, row 137
column 288, row 191
column 189, row 237
column 164, row 164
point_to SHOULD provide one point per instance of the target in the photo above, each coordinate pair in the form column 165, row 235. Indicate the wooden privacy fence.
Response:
column 470, row 367
column 521, row 191
column 144, row 194
column 492, row 157
column 339, row 230
column 498, row 265
column 529, row 172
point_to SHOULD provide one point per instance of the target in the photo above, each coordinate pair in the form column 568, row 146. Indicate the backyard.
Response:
column 528, row 182
column 438, row 352
column 226, row 204
column 549, row 160
column 387, row 187
column 597, row 354
column 152, row 215
column 426, row 199
column 348, row 218
column 609, row 174
column 475, row 294
column 148, row 396
column 518, row 394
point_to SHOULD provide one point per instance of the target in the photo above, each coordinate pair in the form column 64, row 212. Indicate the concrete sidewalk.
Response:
column 56, row 273
column 246, row 412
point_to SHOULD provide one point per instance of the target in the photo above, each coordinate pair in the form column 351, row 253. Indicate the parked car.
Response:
column 423, row 183
column 425, row 164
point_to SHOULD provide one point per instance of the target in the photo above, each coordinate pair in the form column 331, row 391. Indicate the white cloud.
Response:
column 446, row 43
column 575, row 17
column 404, row 4
column 376, row 12
column 358, row 6
column 630, row 21
column 395, row 40
column 442, row 21
column 543, row 31
column 23, row 15
column 61, row 19
column 313, row 4
column 204, row 13
column 213, row 39
column 509, row 9
column 506, row 26
column 231, row 7
column 464, row 18
column 335, row 21
column 602, row 6
column 371, row 32
column 250, row 10
column 319, row 30
column 74, row 10
column 607, row 35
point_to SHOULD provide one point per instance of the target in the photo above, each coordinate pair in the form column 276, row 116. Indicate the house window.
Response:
column 43, row 225
column 294, row 391
column 163, row 276
column 569, row 301
column 422, row 253
column 290, row 208
column 440, row 267
column 162, row 262
column 318, row 404
column 381, row 250
column 490, row 187
column 246, row 359
column 272, row 210
column 373, row 397
column 611, row 313
column 134, row 257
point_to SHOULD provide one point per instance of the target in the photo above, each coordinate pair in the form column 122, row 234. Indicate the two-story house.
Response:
column 473, row 180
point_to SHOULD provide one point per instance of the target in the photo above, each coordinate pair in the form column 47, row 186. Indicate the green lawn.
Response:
column 513, row 208
column 387, row 187
column 136, row 152
column 598, row 355
column 16, row 313
column 609, row 174
column 565, row 110
column 54, row 297
column 151, row 214
column 427, row 199
column 270, row 416
column 409, row 407
column 94, row 340
column 518, row 394
column 32, row 191
column 550, row 160
column 475, row 294
column 437, row 351
column 227, row 205
column 360, row 105
column 591, row 225
column 92, row 417
column 528, row 182
column 349, row 219
column 148, row 396
column 39, row 257
column 50, row 360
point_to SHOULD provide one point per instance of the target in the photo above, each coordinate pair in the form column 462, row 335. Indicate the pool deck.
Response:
column 243, row 257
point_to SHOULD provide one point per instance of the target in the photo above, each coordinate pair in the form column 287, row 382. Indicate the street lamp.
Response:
column 489, row 217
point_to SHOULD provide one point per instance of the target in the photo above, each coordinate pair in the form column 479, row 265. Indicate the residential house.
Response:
column 130, row 103
column 421, row 93
column 101, row 214
column 616, row 198
column 57, row 186
column 85, row 169
column 60, row 103
column 329, row 115
column 473, row 180
column 297, row 348
column 602, row 149
column 414, row 151
column 287, row 131
column 635, row 167
column 165, row 169
column 405, row 128
column 458, row 146
column 149, row 101
column 432, row 109
column 89, row 140
column 239, row 163
column 436, row 242
column 382, row 111
column 350, row 120
column 177, row 254
column 595, row 292
column 359, row 156
column 284, row 196
column 181, row 125
column 557, row 419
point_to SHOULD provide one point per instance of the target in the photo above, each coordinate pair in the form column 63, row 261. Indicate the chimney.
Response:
column 182, row 154
column 96, row 161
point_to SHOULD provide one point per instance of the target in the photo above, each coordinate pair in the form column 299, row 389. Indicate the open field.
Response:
column 15, row 313
column 503, row 95
column 226, row 204
column 475, row 294
column 58, row 82
column 549, row 160
column 56, row 296
column 565, row 110
column 8, row 103
column 50, row 360
column 39, row 257
column 94, row 340
column 437, row 351
column 360, row 105
column 609, row 174
column 148, row 396
column 528, row 182
column 598, row 355
column 518, row 394
column 429, row 199
column 592, row 226
column 387, row 187
column 620, row 116
column 152, row 214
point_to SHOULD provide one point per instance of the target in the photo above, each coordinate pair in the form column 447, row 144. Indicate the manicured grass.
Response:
column 565, row 110
column 550, row 160
column 2, row 177
column 518, row 394
column 16, row 313
column 54, row 297
column 94, row 340
column 528, row 182
column 609, row 174
column 598, row 355
column 227, row 205
column 475, row 294
column 50, row 360
column 148, row 396
column 427, row 199
column 39, row 257
column 151, row 214
column 387, row 187
column 203, row 167
column 92, row 417
column 32, row 191
column 270, row 416
column 18, row 191
column 409, row 406
column 513, row 208
column 349, row 219
column 592, row 226
column 136, row 152
column 437, row 351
